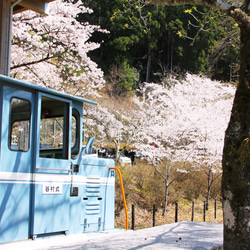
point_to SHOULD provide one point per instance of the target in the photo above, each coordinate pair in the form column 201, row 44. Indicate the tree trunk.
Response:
column 167, row 183
column 166, row 198
column 209, row 184
column 236, row 159
column 148, row 63
column 117, row 150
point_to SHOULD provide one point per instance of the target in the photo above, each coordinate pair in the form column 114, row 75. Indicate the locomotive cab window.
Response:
column 19, row 136
column 54, row 127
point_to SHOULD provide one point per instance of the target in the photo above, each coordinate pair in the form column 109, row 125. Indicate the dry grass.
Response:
column 144, row 218
column 121, row 104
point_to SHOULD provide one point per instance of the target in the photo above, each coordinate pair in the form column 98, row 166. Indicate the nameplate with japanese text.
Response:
column 53, row 188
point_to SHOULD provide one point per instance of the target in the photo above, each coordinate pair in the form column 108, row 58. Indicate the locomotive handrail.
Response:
column 54, row 169
column 123, row 195
column 98, row 165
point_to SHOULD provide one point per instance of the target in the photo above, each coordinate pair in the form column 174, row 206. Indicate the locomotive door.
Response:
column 16, row 163
column 52, row 170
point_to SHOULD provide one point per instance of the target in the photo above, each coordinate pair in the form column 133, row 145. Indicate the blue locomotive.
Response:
column 49, row 182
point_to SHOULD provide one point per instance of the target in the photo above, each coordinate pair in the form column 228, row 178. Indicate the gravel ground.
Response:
column 182, row 235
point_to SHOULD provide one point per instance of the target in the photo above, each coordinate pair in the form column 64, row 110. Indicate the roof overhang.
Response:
column 39, row 6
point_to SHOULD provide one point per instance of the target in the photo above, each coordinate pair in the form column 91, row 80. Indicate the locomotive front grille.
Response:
column 92, row 196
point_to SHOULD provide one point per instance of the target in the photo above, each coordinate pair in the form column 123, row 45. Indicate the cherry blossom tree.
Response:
column 188, row 117
column 109, row 124
column 187, row 121
column 51, row 50
column 183, row 121
column 105, row 124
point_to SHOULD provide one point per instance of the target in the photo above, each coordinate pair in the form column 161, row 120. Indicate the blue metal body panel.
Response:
column 47, row 191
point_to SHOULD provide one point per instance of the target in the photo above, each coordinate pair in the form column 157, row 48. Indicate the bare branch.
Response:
column 34, row 62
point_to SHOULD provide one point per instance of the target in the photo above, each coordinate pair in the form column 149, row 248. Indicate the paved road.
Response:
column 182, row 235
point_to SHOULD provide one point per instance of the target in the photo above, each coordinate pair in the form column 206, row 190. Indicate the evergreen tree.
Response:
column 158, row 40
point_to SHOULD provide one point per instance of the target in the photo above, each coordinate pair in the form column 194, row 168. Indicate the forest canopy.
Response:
column 159, row 40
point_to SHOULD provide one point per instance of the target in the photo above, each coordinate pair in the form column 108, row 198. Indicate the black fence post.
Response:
column 176, row 212
column 192, row 217
column 215, row 209
column 204, row 212
column 153, row 215
column 133, row 217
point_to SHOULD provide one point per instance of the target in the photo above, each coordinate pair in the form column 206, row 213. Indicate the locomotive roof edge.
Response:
column 27, row 85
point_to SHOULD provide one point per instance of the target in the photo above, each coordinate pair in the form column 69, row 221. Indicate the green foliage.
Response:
column 122, row 79
column 173, row 39
column 224, row 54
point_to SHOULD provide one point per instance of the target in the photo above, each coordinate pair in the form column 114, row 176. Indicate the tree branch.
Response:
column 239, row 14
column 34, row 62
column 159, row 172
column 216, row 4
